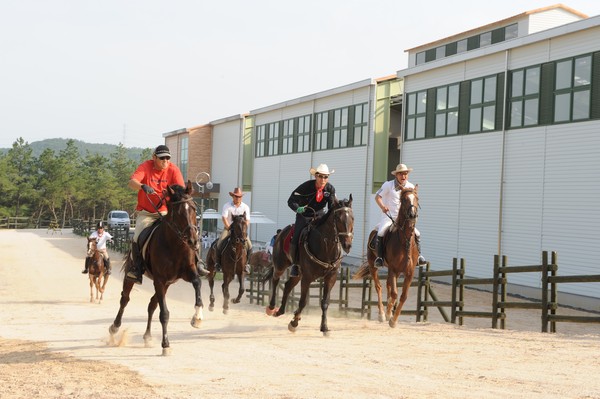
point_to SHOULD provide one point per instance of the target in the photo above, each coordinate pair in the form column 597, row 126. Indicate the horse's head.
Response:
column 92, row 245
column 182, row 214
column 409, row 206
column 344, row 222
column 239, row 228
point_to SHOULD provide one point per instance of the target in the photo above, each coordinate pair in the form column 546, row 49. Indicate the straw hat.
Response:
column 401, row 168
column 322, row 169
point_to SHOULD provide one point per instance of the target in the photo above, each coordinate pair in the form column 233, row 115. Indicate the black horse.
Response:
column 319, row 255
column 233, row 262
column 170, row 255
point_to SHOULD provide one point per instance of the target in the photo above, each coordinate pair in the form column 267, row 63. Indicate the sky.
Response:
column 128, row 71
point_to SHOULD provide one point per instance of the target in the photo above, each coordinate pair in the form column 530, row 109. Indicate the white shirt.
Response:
column 391, row 197
column 101, row 239
column 230, row 210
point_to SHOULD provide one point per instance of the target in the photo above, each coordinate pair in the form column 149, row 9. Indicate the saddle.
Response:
column 145, row 235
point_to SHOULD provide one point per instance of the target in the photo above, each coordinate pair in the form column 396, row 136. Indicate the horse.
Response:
column 170, row 254
column 260, row 261
column 233, row 262
column 320, row 252
column 400, row 256
column 96, row 270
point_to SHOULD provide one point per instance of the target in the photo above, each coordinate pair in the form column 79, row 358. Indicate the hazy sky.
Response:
column 127, row 71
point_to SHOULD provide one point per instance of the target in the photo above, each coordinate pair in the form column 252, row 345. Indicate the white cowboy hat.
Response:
column 401, row 168
column 322, row 169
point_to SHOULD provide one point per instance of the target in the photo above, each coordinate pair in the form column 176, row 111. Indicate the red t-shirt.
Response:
column 158, row 180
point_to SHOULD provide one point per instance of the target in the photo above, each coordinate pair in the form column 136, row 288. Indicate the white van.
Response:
column 118, row 220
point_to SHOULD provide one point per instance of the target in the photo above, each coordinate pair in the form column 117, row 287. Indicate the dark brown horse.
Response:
column 170, row 255
column 400, row 256
column 96, row 270
column 320, row 253
column 233, row 262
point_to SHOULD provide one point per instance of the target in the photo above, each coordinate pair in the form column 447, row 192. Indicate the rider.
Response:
column 101, row 237
column 388, row 200
column 235, row 207
column 306, row 200
column 152, row 177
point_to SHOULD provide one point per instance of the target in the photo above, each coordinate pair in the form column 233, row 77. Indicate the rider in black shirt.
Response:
column 307, row 200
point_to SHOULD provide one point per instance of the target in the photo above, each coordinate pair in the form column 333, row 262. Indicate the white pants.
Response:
column 143, row 220
column 385, row 224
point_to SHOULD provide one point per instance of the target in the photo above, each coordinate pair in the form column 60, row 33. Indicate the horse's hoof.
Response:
column 392, row 324
column 235, row 301
column 167, row 351
column 326, row 333
column 113, row 330
column 211, row 308
column 269, row 311
column 291, row 327
column 225, row 311
column 381, row 318
column 196, row 322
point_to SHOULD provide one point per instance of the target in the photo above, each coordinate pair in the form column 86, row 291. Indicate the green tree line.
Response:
column 65, row 185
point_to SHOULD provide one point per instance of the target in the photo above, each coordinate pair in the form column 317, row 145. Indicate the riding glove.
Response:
column 148, row 189
column 300, row 209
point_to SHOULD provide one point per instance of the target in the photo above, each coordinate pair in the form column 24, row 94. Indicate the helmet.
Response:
column 100, row 225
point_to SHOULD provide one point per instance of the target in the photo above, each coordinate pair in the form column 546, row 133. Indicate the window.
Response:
column 524, row 101
column 440, row 52
column 420, row 58
column 482, row 107
column 288, row 137
column 461, row 46
column 261, row 137
column 415, row 116
column 303, row 134
column 511, row 31
column 321, row 125
column 446, row 110
column 340, row 128
column 273, row 141
column 360, row 128
column 485, row 39
column 572, row 89
column 183, row 157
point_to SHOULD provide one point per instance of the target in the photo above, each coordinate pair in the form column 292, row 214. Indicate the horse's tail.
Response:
column 268, row 275
column 362, row 272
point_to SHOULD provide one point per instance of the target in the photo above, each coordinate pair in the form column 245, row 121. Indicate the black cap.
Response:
column 100, row 225
column 162, row 151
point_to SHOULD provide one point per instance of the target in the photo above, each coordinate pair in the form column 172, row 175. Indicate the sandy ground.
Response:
column 54, row 344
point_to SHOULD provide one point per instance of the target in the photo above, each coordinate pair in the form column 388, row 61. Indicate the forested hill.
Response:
column 58, row 145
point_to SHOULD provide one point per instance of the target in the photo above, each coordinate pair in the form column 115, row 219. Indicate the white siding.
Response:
column 549, row 19
column 437, row 77
column 226, row 159
column 575, row 44
column 528, row 55
column 484, row 66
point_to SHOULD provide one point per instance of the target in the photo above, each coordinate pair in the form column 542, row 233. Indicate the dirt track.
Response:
column 53, row 344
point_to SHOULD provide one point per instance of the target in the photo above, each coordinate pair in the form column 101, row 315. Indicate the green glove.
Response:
column 300, row 209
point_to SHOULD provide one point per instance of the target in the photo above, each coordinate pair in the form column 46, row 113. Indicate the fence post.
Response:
column 419, row 292
column 544, row 291
column 554, row 291
column 495, row 291
column 454, row 271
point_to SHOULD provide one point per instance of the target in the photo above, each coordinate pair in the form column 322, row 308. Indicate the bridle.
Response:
column 235, row 240
column 336, row 240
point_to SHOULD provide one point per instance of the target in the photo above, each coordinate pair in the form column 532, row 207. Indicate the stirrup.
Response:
column 202, row 272
column 247, row 268
column 134, row 277
column 378, row 262
column 421, row 261
column 295, row 271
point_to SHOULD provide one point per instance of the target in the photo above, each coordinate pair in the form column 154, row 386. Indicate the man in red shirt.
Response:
column 151, row 177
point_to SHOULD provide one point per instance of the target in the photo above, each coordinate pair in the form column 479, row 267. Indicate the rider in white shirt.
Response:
column 235, row 207
column 102, row 237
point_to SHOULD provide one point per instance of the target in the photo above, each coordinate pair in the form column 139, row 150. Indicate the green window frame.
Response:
column 524, row 97
column 416, row 115
column 261, row 141
column 321, row 130
column 303, row 135
column 361, row 125
column 273, row 135
column 340, row 128
column 482, row 104
column 446, row 110
column 572, row 89
column 287, row 136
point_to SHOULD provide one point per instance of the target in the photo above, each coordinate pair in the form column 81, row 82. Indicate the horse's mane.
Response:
column 337, row 204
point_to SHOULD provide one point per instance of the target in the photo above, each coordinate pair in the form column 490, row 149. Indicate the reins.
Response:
column 178, row 232
column 328, row 265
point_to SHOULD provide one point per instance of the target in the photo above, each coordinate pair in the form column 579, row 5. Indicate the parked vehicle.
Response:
column 118, row 220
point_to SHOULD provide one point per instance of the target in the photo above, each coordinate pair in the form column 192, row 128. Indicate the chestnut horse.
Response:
column 170, row 254
column 96, row 270
column 233, row 262
column 400, row 256
column 260, row 261
column 319, row 255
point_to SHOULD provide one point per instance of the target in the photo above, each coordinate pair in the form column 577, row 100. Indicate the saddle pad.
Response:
column 288, row 239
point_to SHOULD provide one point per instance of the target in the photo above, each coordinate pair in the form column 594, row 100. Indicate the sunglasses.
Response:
column 323, row 176
column 163, row 158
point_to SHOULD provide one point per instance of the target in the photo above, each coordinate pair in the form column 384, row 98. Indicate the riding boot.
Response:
column 202, row 272
column 379, row 260
column 85, row 270
column 295, row 270
column 248, row 253
column 137, row 266
column 421, row 261
column 107, row 267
